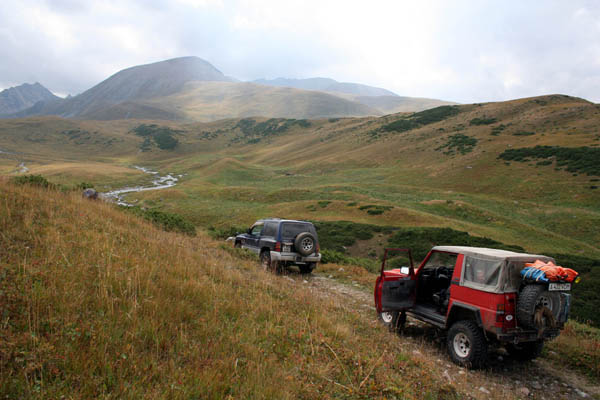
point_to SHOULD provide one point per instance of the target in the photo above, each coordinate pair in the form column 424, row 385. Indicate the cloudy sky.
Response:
column 464, row 51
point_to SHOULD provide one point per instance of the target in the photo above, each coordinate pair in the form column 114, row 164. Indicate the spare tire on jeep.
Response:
column 531, row 298
column 305, row 243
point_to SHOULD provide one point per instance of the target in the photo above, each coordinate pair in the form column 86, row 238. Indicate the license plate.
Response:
column 559, row 286
column 287, row 249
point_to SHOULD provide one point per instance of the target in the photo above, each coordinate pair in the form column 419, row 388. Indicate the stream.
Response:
column 159, row 182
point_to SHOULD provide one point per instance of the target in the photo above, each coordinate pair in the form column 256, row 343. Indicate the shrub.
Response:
column 253, row 132
column 401, row 125
column 483, row 121
column 336, row 235
column 166, row 221
column 421, row 118
column 576, row 159
column 33, row 180
column 225, row 232
column 458, row 143
column 421, row 240
column 335, row 257
column 523, row 133
column 161, row 135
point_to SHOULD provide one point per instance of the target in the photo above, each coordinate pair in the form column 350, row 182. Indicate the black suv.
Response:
column 281, row 243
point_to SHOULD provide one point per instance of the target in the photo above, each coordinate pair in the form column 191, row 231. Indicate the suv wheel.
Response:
column 394, row 320
column 525, row 351
column 532, row 298
column 269, row 265
column 307, row 268
column 265, row 260
column 305, row 243
column 467, row 345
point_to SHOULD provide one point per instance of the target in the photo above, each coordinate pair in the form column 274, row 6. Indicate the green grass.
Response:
column 111, row 307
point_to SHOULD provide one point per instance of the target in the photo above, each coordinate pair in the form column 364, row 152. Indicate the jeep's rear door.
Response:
column 395, row 289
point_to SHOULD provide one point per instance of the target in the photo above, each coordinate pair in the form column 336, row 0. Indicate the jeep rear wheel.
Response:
column 531, row 299
column 525, row 351
column 467, row 345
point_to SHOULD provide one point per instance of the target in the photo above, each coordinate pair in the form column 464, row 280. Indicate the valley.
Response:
column 519, row 173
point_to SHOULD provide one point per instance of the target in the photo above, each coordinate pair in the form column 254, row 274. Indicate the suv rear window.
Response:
column 290, row 230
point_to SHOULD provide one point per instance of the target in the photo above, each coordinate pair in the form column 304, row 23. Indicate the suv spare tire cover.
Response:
column 305, row 243
column 530, row 298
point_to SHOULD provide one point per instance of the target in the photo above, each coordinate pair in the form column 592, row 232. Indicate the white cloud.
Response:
column 462, row 50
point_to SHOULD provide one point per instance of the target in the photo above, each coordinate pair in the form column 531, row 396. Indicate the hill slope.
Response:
column 382, row 100
column 18, row 98
column 210, row 101
column 97, row 303
column 327, row 85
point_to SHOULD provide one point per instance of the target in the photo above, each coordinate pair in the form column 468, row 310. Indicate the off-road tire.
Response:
column 306, row 268
column 394, row 320
column 265, row 261
column 525, row 351
column 531, row 297
column 467, row 345
column 305, row 243
column 238, row 245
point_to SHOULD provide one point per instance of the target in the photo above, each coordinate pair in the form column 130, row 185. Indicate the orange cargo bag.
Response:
column 554, row 272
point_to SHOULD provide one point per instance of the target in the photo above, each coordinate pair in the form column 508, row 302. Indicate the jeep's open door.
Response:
column 395, row 289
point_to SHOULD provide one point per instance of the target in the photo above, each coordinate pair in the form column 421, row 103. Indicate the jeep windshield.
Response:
column 290, row 230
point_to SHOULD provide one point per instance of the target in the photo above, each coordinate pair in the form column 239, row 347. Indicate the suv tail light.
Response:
column 509, row 320
column 277, row 246
column 318, row 248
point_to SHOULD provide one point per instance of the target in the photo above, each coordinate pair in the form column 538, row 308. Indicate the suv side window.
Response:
column 270, row 229
column 256, row 229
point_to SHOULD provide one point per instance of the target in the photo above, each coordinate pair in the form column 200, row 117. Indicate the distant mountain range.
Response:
column 189, row 88
column 327, row 85
column 22, row 97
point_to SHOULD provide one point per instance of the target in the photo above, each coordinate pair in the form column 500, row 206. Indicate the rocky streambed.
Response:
column 159, row 182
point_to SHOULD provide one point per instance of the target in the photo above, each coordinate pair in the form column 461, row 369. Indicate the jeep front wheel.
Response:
column 394, row 320
column 467, row 345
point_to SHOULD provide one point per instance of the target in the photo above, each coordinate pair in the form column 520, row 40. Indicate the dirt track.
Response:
column 504, row 378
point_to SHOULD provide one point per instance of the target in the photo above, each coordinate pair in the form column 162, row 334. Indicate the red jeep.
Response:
column 479, row 296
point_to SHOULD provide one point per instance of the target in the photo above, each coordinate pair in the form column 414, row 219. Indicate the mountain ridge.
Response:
column 158, row 90
column 18, row 98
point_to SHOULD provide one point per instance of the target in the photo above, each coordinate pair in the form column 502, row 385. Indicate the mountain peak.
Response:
column 18, row 98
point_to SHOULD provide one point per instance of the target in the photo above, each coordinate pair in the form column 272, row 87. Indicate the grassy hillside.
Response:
column 98, row 303
column 210, row 101
column 475, row 168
